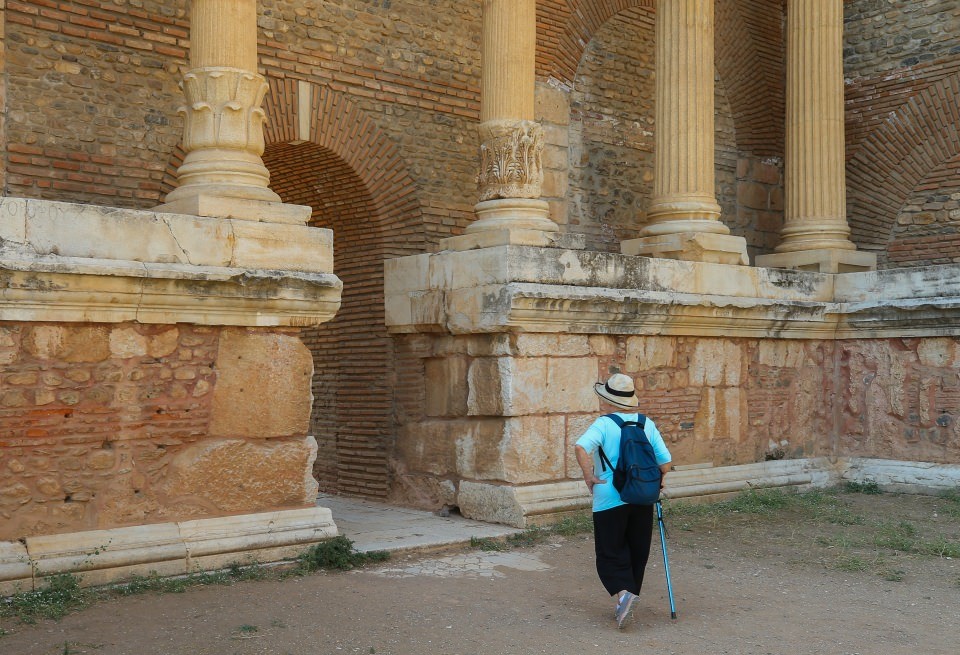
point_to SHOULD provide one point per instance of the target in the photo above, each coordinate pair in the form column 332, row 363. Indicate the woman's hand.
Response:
column 592, row 480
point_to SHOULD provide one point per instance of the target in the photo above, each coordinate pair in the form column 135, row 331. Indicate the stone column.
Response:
column 815, row 233
column 684, row 217
column 511, row 141
column 223, row 173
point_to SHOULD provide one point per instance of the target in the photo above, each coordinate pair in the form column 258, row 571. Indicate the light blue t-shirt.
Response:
column 605, row 432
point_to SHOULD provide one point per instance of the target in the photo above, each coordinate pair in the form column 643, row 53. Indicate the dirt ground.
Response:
column 837, row 577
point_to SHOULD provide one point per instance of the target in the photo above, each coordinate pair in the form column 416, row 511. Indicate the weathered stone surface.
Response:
column 938, row 352
column 263, row 386
column 519, row 450
column 646, row 353
column 716, row 363
column 602, row 345
column 552, row 345
column 127, row 342
column 544, row 385
column 577, row 424
column 82, row 344
column 262, row 537
column 430, row 446
column 245, row 476
column 790, row 354
column 422, row 491
column 16, row 574
column 486, row 378
column 446, row 386
column 521, row 506
column 104, row 556
column 898, row 403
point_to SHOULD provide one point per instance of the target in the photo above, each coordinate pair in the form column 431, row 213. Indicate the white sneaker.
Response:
column 624, row 606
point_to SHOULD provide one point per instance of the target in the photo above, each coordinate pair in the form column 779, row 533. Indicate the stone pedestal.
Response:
column 691, row 246
column 821, row 260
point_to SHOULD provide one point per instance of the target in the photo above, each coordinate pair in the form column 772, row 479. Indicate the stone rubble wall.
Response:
column 111, row 425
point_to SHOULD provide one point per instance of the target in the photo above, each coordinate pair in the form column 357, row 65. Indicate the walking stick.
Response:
column 666, row 563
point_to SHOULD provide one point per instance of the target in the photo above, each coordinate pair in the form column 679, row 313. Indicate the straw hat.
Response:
column 618, row 391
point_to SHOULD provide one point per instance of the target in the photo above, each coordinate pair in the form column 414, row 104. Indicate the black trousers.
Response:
column 622, row 540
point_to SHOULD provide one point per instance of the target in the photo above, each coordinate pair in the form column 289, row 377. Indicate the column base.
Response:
column 207, row 204
column 512, row 214
column 824, row 260
column 690, row 246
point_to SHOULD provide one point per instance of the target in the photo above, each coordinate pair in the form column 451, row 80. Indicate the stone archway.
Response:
column 338, row 162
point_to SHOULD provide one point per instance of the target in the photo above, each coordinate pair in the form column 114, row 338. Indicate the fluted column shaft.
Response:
column 509, row 49
column 223, row 119
column 511, row 142
column 815, row 182
column 684, row 197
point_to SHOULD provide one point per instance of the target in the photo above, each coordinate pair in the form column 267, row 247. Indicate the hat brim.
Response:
column 617, row 401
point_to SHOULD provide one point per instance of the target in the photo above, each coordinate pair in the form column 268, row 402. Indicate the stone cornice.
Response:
column 63, row 262
column 551, row 290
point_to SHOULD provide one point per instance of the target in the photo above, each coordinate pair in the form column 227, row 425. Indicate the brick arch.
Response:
column 749, row 46
column 336, row 160
column 341, row 127
column 921, row 135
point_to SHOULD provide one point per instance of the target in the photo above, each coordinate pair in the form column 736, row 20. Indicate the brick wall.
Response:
column 926, row 232
column 92, row 98
column 352, row 383
column 902, row 67
column 390, row 159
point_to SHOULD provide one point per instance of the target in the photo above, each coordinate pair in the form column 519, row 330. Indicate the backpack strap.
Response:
column 604, row 460
column 641, row 420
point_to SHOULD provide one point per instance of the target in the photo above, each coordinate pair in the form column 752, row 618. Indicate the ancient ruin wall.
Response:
column 508, row 409
column 110, row 425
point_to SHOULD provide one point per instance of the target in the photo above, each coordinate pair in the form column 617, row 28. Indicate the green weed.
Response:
column 892, row 575
column 573, row 525
column 337, row 554
column 851, row 563
column 952, row 508
column 529, row 537
column 869, row 487
column 566, row 527
column 488, row 544
column 61, row 596
column 901, row 537
column 942, row 547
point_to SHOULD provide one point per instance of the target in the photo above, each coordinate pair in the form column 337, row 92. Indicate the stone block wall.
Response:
column 901, row 399
column 111, row 425
column 507, row 409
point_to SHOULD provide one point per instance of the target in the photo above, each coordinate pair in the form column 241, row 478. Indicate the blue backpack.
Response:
column 637, row 475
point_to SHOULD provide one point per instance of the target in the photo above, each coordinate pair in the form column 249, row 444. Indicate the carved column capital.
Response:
column 223, row 109
column 511, row 159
